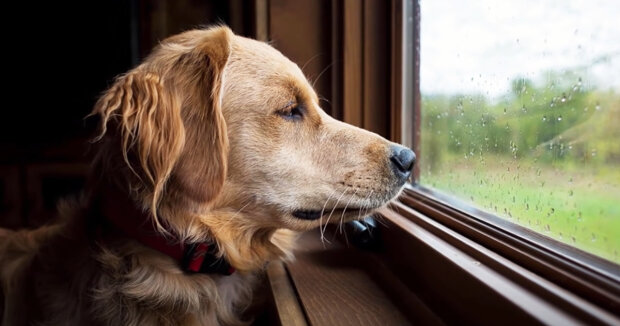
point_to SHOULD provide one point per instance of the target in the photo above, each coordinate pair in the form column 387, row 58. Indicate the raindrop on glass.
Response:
column 560, row 118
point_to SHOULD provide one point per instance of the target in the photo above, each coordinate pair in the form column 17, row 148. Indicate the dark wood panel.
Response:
column 337, row 62
column 353, row 72
column 396, row 72
column 376, row 67
column 301, row 30
column 262, row 20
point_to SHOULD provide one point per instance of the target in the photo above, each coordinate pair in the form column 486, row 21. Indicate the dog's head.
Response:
column 213, row 121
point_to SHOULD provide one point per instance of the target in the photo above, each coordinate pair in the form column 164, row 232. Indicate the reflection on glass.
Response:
column 521, row 113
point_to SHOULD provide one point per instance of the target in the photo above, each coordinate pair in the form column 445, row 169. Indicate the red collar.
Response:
column 121, row 215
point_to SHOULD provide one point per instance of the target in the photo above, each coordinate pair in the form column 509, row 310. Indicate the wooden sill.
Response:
column 424, row 273
column 336, row 285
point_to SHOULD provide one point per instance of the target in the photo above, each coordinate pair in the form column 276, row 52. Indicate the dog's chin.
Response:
column 339, row 213
column 313, row 216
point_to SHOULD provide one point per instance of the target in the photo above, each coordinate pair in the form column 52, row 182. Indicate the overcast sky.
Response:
column 479, row 45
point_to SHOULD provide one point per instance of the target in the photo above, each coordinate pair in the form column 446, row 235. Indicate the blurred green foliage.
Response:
column 551, row 145
column 559, row 121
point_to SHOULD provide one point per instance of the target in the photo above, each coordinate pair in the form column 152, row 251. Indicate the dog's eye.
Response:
column 292, row 113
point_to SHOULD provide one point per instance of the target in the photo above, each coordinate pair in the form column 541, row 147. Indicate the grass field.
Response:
column 578, row 206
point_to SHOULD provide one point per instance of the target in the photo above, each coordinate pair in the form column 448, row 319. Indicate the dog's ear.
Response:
column 149, row 127
column 203, row 166
column 168, row 112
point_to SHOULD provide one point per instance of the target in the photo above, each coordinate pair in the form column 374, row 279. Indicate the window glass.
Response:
column 521, row 113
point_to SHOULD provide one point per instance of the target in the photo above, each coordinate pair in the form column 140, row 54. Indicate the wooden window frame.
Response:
column 457, row 265
column 544, row 280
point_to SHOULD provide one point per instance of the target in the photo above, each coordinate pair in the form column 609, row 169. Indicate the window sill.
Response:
column 336, row 285
column 425, row 273
column 535, row 280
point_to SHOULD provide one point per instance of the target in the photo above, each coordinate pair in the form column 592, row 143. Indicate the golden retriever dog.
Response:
column 211, row 155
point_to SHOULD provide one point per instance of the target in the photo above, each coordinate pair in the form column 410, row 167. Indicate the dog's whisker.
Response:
column 380, row 219
column 345, row 209
column 310, row 60
column 321, row 216
column 321, row 74
column 333, row 209
column 368, row 206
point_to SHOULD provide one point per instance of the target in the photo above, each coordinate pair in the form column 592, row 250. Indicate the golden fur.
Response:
column 200, row 136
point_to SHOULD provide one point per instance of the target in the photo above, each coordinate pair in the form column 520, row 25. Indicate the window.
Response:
column 520, row 108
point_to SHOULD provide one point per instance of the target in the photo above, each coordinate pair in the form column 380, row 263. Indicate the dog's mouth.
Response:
column 310, row 215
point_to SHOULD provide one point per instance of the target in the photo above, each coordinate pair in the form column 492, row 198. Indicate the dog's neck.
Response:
column 121, row 216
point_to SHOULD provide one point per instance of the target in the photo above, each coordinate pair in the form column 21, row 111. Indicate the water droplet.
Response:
column 594, row 152
column 505, row 110
column 524, row 109
column 552, row 210
column 570, row 193
column 563, row 99
column 560, row 118
column 527, row 207
column 547, row 228
column 544, row 118
column 597, row 107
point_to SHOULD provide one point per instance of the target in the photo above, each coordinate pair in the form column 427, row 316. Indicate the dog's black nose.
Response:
column 402, row 159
